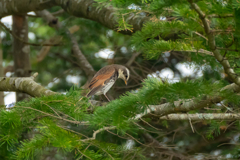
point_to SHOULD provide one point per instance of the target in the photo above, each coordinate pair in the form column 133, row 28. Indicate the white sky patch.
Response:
column 31, row 35
column 55, row 81
column 8, row 74
column 129, row 144
column 32, row 13
column 185, row 69
column 105, row 53
column 165, row 56
column 2, row 34
column 7, row 20
column 73, row 79
column 124, row 50
column 165, row 74
column 162, row 18
column 10, row 97
column 133, row 6
column 188, row 70
column 109, row 33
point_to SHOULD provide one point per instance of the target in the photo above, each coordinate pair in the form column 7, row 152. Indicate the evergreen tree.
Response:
column 195, row 118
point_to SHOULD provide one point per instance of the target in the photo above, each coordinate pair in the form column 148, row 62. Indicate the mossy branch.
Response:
column 25, row 85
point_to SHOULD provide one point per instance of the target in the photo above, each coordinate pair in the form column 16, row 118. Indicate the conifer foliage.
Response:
column 138, row 124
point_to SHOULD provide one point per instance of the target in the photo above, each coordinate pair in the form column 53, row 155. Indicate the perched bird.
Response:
column 104, row 79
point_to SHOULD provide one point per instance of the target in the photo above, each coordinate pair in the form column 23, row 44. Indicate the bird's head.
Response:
column 124, row 74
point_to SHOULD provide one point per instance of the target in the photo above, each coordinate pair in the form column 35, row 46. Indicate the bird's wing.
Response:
column 94, row 90
column 100, row 78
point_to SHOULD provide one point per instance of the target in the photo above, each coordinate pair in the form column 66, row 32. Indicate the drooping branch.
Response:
column 212, row 44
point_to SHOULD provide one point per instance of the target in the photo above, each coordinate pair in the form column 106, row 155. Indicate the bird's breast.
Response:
column 107, row 86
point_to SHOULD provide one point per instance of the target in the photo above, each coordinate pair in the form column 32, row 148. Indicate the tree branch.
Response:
column 21, row 7
column 84, row 9
column 81, row 59
column 29, row 86
column 201, row 116
column 186, row 105
column 132, row 59
column 24, row 84
column 220, row 16
column 98, row 131
column 212, row 44
column 49, row 18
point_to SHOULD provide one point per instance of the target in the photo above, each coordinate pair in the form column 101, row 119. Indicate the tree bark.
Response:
column 1, row 72
column 84, row 9
column 24, row 84
column 22, row 66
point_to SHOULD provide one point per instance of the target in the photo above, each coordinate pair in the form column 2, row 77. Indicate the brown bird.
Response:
column 104, row 79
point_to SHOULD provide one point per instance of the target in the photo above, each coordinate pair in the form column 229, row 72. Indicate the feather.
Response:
column 94, row 91
column 101, row 76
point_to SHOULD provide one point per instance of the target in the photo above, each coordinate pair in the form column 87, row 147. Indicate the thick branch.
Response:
column 186, row 105
column 26, row 85
column 212, row 44
column 21, row 7
column 85, row 9
column 105, row 15
column 201, row 116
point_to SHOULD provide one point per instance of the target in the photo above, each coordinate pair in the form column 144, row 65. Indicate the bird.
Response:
column 104, row 79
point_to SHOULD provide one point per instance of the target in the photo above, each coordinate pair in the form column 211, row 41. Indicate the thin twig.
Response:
column 98, row 131
column 220, row 16
column 190, row 122
column 83, row 154
column 145, row 144
column 149, row 124
column 201, row 35
column 75, row 122
column 132, row 59
column 52, row 109
column 227, row 49
column 85, row 150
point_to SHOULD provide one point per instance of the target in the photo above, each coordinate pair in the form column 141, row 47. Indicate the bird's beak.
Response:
column 126, row 82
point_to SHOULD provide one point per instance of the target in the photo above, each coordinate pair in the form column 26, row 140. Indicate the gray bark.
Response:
column 83, row 8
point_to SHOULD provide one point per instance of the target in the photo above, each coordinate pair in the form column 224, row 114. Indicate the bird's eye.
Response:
column 126, row 76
